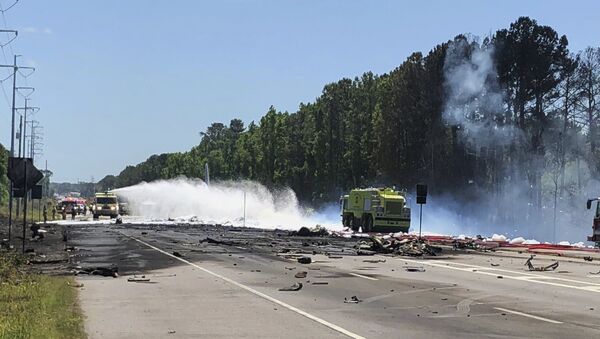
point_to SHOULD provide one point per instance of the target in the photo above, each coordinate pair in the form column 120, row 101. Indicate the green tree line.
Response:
column 392, row 129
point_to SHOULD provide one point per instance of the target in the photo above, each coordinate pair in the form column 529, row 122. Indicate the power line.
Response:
column 6, row 24
column 4, row 91
column 9, row 7
column 2, row 46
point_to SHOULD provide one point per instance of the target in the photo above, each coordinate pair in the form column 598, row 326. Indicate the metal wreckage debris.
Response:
column 106, row 271
column 413, row 247
column 550, row 267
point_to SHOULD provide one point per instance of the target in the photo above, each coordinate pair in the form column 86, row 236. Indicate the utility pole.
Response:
column 12, row 132
column 26, row 109
column 20, row 137
column 20, row 140
column 36, row 137
column 24, row 130
column 12, row 148
column 25, row 136
column 24, row 204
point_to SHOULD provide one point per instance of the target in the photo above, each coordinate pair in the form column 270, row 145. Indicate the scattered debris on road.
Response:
column 477, row 244
column 301, row 274
column 320, row 283
column 105, row 271
column 177, row 254
column 294, row 287
column 353, row 300
column 413, row 247
column 77, row 285
column 588, row 258
column 138, row 279
column 374, row 261
column 305, row 260
column 217, row 242
column 414, row 268
column 316, row 231
column 550, row 267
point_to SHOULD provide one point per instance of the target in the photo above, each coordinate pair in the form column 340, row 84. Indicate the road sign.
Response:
column 421, row 194
column 36, row 192
column 421, row 199
column 21, row 171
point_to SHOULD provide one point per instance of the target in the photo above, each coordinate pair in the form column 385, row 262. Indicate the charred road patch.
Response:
column 319, row 286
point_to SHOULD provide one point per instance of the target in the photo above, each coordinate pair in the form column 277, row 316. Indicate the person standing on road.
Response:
column 73, row 213
column 45, row 214
column 54, row 213
column 84, row 210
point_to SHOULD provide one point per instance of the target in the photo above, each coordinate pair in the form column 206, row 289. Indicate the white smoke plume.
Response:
column 475, row 106
column 475, row 99
column 222, row 203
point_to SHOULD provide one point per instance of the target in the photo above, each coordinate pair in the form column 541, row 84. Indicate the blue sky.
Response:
column 118, row 80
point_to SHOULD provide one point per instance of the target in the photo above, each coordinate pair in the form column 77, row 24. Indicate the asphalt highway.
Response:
column 203, row 288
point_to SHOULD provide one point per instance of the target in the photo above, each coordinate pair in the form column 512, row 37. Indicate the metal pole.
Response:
column 12, row 151
column 20, row 133
column 25, row 131
column 206, row 174
column 12, row 129
column 20, row 140
column 10, row 203
column 420, row 219
column 244, row 208
column 24, row 203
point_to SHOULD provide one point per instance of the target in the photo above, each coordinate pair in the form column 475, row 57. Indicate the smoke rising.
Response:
column 475, row 99
column 222, row 203
column 475, row 107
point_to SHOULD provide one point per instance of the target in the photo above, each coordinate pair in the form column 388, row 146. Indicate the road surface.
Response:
column 232, row 289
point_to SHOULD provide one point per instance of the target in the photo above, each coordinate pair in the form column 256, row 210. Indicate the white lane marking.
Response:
column 531, row 275
column 528, row 315
column 383, row 296
column 255, row 292
column 590, row 287
column 362, row 276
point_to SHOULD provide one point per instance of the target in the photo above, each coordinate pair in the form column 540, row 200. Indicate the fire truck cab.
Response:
column 595, row 237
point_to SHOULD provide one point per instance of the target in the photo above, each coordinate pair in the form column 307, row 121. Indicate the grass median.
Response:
column 35, row 305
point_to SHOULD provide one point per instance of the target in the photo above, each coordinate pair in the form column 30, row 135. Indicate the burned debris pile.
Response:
column 221, row 242
column 406, row 246
column 105, row 271
column 316, row 231
column 478, row 244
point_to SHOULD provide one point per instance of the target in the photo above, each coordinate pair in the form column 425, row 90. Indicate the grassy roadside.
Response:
column 36, row 306
column 34, row 213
